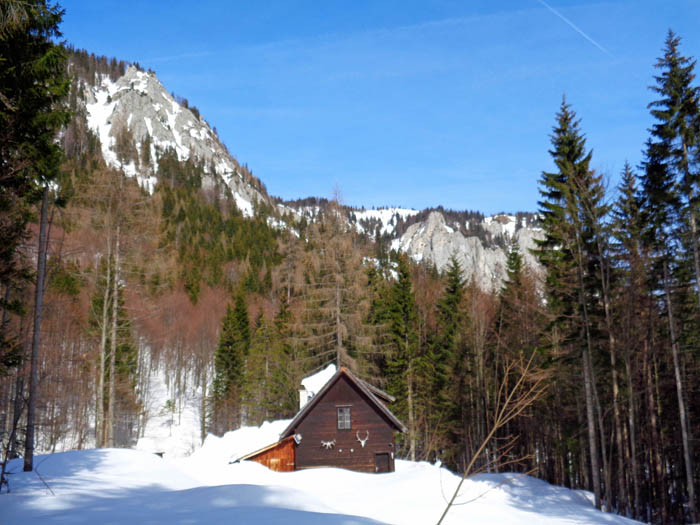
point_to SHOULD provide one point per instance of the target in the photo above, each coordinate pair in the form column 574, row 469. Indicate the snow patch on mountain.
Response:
column 138, row 103
column 387, row 217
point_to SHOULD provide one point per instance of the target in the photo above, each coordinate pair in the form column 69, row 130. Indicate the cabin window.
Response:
column 344, row 418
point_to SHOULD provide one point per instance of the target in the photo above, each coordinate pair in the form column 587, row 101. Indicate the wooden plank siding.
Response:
column 321, row 424
column 279, row 457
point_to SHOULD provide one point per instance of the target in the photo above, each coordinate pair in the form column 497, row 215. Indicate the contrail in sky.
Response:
column 575, row 27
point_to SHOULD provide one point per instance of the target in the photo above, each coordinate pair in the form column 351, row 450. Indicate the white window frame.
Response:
column 344, row 418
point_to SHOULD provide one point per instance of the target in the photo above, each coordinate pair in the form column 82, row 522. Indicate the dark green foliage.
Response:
column 670, row 182
column 229, row 355
column 449, row 317
column 270, row 379
column 402, row 319
column 514, row 271
column 209, row 233
column 32, row 83
column 125, row 146
column 403, row 365
column 229, row 363
column 512, row 292
column 240, row 312
column 676, row 113
column 445, row 363
column 558, row 208
column 64, row 277
column 378, row 320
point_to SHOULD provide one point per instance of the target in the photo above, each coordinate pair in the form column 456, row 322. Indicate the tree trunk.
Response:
column 682, row 411
column 590, row 418
column 113, row 345
column 633, row 438
column 612, row 349
column 36, row 335
column 338, row 326
column 588, row 377
column 409, row 400
column 203, row 408
column 100, row 415
column 9, row 451
column 658, row 488
column 603, row 441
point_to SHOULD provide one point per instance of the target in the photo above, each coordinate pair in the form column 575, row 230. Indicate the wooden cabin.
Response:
column 346, row 424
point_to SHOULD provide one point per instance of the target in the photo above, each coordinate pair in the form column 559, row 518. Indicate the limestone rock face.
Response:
column 433, row 240
column 139, row 107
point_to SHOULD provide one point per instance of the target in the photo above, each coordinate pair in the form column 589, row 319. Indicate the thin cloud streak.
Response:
column 575, row 28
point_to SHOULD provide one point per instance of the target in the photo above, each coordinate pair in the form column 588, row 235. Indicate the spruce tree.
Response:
column 229, row 365
column 403, row 367
column 32, row 82
column 445, row 363
column 511, row 300
column 669, row 187
column 677, row 131
column 564, row 254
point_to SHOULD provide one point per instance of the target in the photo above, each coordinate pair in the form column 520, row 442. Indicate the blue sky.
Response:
column 410, row 103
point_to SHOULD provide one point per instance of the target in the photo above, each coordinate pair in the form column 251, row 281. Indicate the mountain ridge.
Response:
column 136, row 120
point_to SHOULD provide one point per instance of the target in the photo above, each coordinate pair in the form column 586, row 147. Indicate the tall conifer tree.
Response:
column 446, row 373
column 403, row 361
column 229, row 364
column 562, row 253
column 670, row 190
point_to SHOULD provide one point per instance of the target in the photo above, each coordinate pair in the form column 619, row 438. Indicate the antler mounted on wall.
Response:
column 362, row 441
column 328, row 444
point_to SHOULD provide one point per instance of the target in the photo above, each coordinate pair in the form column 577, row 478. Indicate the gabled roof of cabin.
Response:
column 371, row 393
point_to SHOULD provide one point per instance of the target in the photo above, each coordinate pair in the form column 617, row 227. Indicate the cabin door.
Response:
column 382, row 462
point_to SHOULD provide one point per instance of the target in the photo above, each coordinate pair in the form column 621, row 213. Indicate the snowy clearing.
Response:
column 200, row 484
column 130, row 486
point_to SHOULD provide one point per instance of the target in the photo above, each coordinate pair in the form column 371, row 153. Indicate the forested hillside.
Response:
column 153, row 269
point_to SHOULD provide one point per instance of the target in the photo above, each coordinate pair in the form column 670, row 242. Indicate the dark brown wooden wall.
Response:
column 321, row 424
column 279, row 458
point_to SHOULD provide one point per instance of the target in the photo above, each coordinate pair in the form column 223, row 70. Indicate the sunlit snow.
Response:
column 122, row 486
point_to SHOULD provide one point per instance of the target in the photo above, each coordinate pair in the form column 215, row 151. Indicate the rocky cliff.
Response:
column 136, row 112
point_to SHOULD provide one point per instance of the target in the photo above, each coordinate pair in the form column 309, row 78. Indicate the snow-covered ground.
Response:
column 206, row 486
column 132, row 486
column 173, row 422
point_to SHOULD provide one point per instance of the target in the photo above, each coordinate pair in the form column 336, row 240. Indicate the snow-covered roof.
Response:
column 314, row 383
column 364, row 388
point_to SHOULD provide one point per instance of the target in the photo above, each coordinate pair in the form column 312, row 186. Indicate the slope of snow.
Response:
column 99, row 118
column 127, row 486
column 236, row 444
column 243, row 205
column 173, row 425
column 387, row 216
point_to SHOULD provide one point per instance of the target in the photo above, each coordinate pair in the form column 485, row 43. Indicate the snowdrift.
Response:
column 131, row 486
